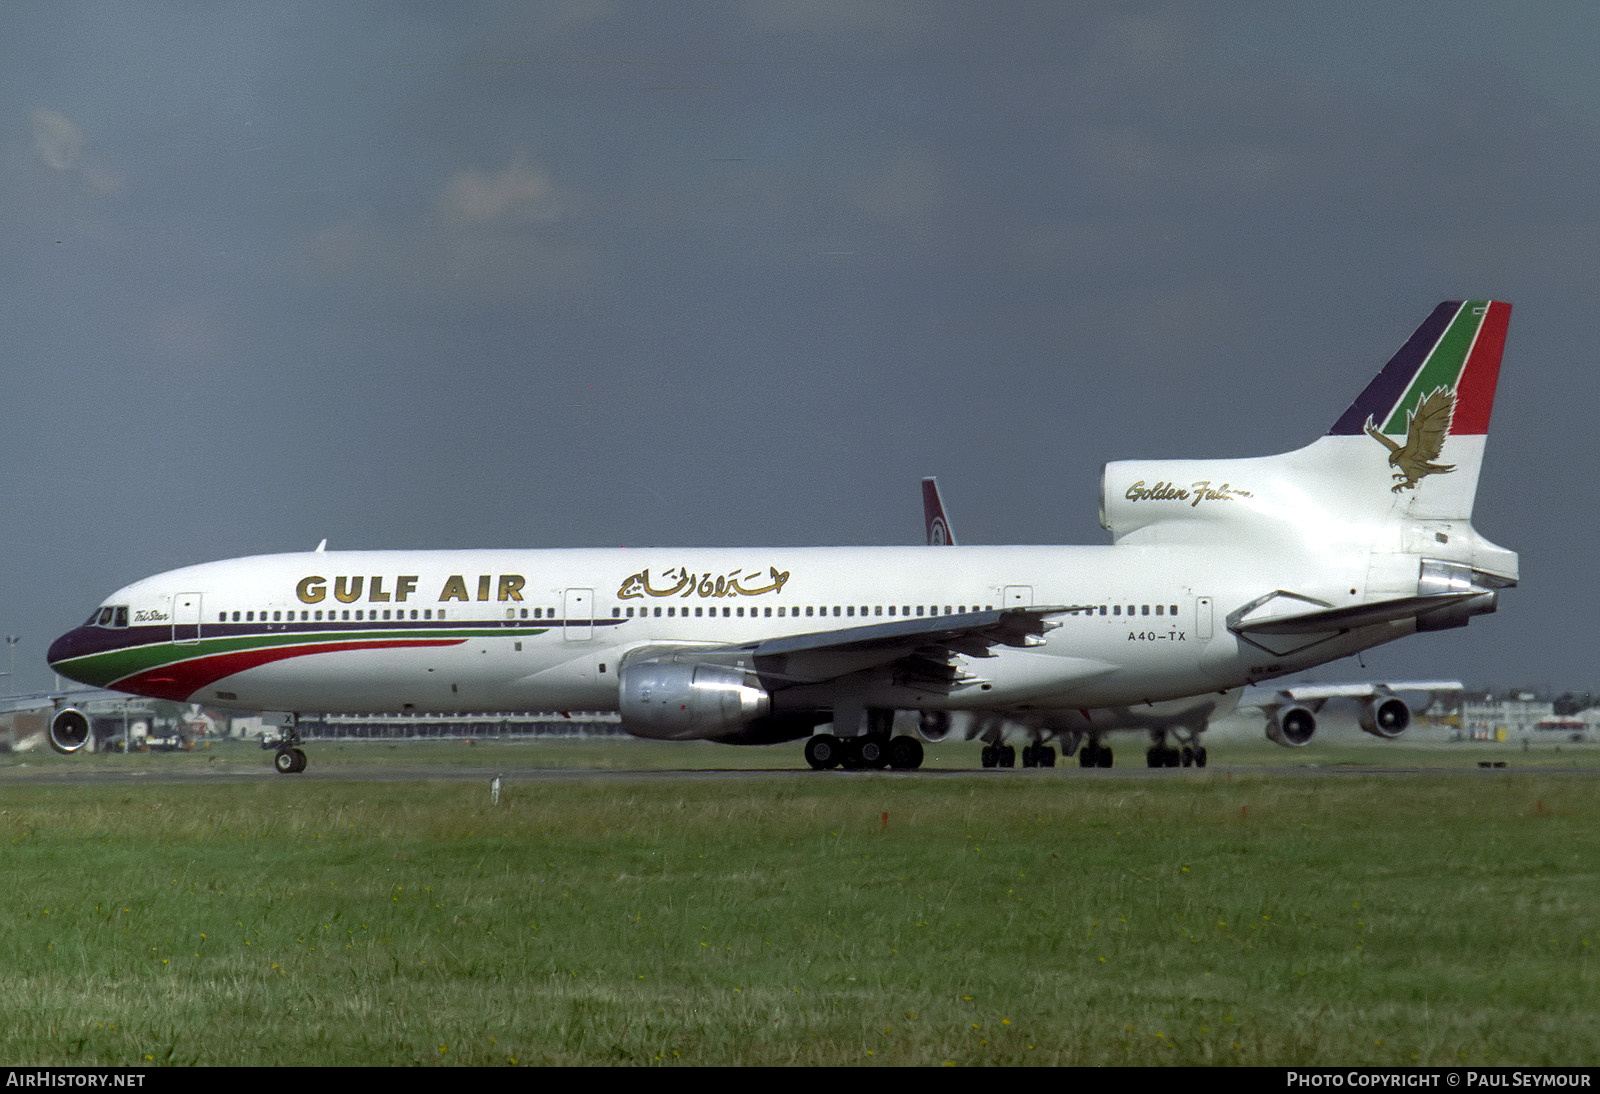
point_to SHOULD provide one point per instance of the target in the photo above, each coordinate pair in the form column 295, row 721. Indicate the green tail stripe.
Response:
column 1444, row 364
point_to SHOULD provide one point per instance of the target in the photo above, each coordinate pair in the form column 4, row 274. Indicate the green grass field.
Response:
column 1228, row 916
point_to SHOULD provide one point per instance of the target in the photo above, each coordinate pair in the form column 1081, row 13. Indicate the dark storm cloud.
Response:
column 501, row 274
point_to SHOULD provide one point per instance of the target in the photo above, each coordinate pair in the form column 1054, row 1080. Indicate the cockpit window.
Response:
column 121, row 618
column 109, row 616
column 105, row 616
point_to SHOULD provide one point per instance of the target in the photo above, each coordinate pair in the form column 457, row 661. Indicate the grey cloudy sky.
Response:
column 484, row 274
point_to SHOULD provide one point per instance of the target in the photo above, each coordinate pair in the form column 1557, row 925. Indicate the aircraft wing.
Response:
column 48, row 700
column 1303, row 693
column 920, row 650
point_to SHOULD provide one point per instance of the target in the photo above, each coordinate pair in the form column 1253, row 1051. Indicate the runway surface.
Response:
column 513, row 776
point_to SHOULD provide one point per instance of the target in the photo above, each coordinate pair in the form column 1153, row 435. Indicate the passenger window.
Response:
column 1144, row 609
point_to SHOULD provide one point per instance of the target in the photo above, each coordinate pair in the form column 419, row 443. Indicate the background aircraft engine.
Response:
column 1292, row 726
column 676, row 701
column 934, row 725
column 69, row 730
column 1386, row 718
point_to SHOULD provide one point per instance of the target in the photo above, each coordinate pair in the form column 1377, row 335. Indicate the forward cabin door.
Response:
column 577, row 610
column 186, row 618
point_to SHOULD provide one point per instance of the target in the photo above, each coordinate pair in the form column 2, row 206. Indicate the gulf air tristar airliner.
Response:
column 1220, row 573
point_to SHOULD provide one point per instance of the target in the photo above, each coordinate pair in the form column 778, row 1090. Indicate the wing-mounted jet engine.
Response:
column 1292, row 713
column 70, row 730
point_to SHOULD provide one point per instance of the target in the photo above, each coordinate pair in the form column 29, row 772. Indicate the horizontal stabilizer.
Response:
column 1325, row 620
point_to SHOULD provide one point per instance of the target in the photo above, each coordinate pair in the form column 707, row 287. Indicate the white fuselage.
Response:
column 513, row 630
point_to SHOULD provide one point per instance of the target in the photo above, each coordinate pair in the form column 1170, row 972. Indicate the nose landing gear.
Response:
column 288, row 759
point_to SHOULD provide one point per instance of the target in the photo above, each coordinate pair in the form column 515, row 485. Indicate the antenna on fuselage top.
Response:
column 322, row 546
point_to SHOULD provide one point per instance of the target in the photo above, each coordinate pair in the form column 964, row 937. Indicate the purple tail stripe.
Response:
column 1386, row 389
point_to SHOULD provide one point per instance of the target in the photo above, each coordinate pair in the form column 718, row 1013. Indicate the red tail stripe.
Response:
column 1475, row 389
column 181, row 680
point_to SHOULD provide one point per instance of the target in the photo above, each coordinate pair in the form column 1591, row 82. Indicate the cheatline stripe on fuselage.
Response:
column 176, row 670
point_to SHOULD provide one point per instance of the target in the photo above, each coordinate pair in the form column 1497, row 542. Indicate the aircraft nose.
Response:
column 66, row 647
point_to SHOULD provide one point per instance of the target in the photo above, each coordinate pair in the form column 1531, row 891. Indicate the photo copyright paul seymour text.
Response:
column 1436, row 1079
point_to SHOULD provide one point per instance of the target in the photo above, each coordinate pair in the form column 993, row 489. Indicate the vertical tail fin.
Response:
column 1408, row 448
column 1458, row 349
column 939, row 533
column 1430, row 406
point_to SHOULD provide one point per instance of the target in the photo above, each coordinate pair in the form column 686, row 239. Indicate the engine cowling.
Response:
column 1292, row 726
column 69, row 730
column 1386, row 717
column 678, row 701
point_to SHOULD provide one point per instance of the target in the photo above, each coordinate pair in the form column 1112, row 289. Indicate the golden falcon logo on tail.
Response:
column 1426, row 430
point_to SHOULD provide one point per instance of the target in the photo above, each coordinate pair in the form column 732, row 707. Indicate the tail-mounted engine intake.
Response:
column 69, row 730
column 687, row 701
column 1385, row 717
column 1292, row 726
column 1471, row 593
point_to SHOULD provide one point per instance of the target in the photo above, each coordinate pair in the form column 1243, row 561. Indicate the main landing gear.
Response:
column 1094, row 754
column 1161, row 754
column 1033, row 755
column 873, row 752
